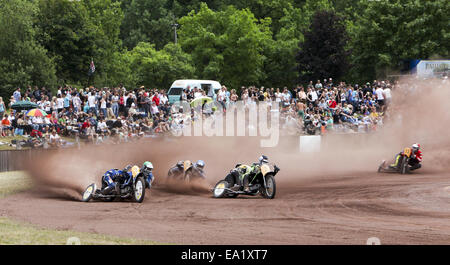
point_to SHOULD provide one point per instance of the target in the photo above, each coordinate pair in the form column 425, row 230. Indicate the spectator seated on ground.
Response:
column 55, row 140
column 6, row 128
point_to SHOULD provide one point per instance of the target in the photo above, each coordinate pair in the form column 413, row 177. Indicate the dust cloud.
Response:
column 419, row 113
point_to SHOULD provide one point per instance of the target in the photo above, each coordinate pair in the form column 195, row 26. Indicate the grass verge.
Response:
column 19, row 233
column 13, row 181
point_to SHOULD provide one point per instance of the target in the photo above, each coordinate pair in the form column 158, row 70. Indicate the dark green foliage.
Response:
column 323, row 53
column 51, row 42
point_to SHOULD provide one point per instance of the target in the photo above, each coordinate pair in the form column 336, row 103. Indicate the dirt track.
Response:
column 397, row 209
column 330, row 197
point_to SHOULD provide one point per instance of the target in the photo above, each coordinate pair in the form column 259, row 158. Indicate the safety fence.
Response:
column 11, row 160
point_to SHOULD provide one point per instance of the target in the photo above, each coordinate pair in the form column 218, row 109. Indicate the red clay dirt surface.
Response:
column 333, row 196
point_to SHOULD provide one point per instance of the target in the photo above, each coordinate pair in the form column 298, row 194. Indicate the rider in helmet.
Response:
column 200, row 164
column 112, row 177
column 416, row 158
column 146, row 170
column 261, row 160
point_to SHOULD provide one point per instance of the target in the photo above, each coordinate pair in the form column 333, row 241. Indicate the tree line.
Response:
column 238, row 42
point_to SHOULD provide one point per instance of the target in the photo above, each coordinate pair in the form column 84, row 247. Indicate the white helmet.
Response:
column 147, row 165
column 416, row 147
column 263, row 159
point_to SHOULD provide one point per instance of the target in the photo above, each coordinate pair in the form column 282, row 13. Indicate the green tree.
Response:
column 66, row 32
column 281, row 66
column 389, row 31
column 75, row 31
column 147, row 21
column 323, row 53
column 154, row 68
column 23, row 61
column 106, row 17
column 225, row 45
column 262, row 9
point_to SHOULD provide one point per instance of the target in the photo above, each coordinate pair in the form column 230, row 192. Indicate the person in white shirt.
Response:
column 102, row 126
column 278, row 95
column 154, row 109
column 380, row 97
column 76, row 103
column 286, row 96
column 92, row 101
column 314, row 95
column 115, row 104
column 221, row 95
column 46, row 105
column 163, row 99
column 55, row 140
column 59, row 103
column 103, row 106
column 197, row 92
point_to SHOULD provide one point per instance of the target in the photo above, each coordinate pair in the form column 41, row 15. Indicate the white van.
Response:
column 211, row 88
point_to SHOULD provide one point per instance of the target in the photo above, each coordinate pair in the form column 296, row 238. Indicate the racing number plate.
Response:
column 407, row 152
column 135, row 171
column 187, row 164
column 265, row 169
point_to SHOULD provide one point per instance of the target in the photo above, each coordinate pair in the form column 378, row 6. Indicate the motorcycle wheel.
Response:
column 380, row 168
column 188, row 177
column 219, row 190
column 405, row 167
column 139, row 190
column 88, row 193
column 270, row 190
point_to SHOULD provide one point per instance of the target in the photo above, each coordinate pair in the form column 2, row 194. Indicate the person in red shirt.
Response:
column 156, row 99
column 6, row 126
column 35, row 133
column 332, row 103
column 85, row 125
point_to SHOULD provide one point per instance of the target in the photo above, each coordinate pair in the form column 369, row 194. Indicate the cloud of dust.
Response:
column 419, row 113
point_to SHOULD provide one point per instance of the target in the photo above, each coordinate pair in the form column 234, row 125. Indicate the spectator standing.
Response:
column 76, row 101
column 197, row 93
column 2, row 107
column 115, row 104
column 92, row 101
column 380, row 97
column 17, row 96
column 103, row 106
column 155, row 99
column 59, row 103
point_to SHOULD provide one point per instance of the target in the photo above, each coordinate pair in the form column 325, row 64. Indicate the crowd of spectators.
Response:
column 101, row 115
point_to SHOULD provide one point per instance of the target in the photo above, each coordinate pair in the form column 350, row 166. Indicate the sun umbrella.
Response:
column 36, row 113
column 200, row 101
column 24, row 105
